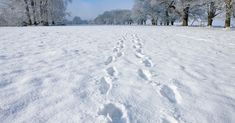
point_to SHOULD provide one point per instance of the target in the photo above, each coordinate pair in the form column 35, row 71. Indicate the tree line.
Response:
column 114, row 17
column 159, row 12
column 32, row 12
column 167, row 12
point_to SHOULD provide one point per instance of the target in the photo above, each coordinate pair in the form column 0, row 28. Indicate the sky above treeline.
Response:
column 89, row 9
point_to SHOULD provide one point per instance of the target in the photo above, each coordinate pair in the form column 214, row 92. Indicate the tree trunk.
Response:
column 167, row 18
column 46, row 13
column 156, row 21
column 143, row 22
column 211, row 13
column 41, row 12
column 27, row 12
column 185, row 16
column 153, row 22
column 210, row 20
column 167, row 23
column 34, row 12
column 228, row 13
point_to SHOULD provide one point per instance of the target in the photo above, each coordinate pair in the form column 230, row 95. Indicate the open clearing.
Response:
column 117, row 74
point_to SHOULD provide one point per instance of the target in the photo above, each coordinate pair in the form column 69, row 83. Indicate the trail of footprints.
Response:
column 106, row 82
column 113, row 112
column 116, row 112
column 169, row 92
column 146, row 61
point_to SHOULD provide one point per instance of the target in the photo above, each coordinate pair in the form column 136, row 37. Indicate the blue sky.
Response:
column 89, row 9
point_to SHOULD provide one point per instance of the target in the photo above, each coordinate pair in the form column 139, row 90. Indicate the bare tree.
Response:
column 27, row 12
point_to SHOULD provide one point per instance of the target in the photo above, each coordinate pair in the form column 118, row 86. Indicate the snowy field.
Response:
column 117, row 74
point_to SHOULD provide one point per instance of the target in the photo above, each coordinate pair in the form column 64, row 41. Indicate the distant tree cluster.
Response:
column 166, row 12
column 78, row 21
column 114, row 17
column 32, row 12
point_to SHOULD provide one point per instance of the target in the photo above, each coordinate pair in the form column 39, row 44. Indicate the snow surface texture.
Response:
column 117, row 74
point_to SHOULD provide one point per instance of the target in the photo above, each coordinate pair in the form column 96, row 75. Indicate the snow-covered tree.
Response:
column 213, row 8
column 228, row 12
column 187, row 8
column 77, row 21
column 33, row 12
column 139, row 11
column 114, row 17
column 166, row 11
column 12, row 12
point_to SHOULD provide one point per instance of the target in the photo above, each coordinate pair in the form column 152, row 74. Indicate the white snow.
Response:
column 117, row 74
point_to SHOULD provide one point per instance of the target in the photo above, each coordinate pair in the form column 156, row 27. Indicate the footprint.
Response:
column 109, row 60
column 112, row 71
column 154, row 83
column 105, row 85
column 171, row 93
column 145, row 74
column 139, row 55
column 140, row 44
column 134, row 46
column 114, row 113
column 139, row 51
column 168, row 119
column 147, row 62
column 116, row 50
column 122, row 46
column 119, row 54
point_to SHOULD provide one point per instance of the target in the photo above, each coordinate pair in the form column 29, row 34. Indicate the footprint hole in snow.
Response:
column 119, row 54
column 139, row 55
column 105, row 85
column 114, row 113
column 109, row 60
column 171, row 93
column 112, row 71
column 145, row 74
column 116, row 50
column 148, row 63
column 165, row 118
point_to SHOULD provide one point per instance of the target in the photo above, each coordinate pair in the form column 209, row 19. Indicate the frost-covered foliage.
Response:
column 168, row 11
column 11, row 12
column 115, row 17
column 32, row 12
column 139, row 13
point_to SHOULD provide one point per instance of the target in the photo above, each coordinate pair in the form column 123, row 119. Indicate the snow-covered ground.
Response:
column 117, row 74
